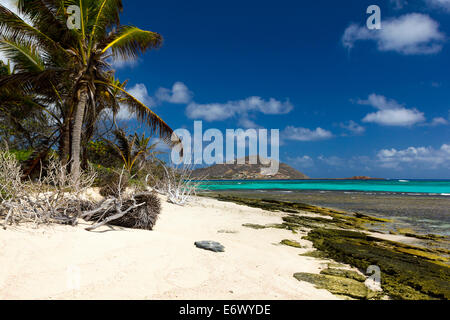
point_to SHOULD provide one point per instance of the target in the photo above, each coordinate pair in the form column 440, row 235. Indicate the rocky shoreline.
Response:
column 408, row 271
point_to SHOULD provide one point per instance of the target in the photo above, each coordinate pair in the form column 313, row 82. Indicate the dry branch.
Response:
column 177, row 184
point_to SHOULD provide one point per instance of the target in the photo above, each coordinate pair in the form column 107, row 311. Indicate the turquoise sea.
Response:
column 440, row 187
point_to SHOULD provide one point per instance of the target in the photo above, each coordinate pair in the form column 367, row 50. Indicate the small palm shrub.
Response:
column 143, row 212
column 113, row 183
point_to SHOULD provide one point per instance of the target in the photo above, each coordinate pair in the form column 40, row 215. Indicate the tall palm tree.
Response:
column 71, row 65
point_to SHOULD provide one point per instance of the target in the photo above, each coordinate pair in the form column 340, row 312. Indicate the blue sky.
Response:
column 347, row 100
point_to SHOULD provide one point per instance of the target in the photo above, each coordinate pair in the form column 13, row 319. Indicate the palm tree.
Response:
column 133, row 149
column 70, row 66
column 27, row 119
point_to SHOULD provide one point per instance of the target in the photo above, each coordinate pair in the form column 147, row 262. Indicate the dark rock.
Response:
column 210, row 245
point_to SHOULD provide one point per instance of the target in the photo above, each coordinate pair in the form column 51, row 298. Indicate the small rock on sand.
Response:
column 210, row 245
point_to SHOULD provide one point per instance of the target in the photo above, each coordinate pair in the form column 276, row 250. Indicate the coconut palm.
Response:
column 71, row 65
column 133, row 149
column 26, row 119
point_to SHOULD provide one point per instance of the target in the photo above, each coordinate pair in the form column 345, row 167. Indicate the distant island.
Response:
column 363, row 178
column 247, row 171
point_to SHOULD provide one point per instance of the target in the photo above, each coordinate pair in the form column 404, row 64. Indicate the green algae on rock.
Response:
column 315, row 254
column 344, row 273
column 254, row 226
column 403, row 275
column 291, row 243
column 337, row 285
column 407, row 272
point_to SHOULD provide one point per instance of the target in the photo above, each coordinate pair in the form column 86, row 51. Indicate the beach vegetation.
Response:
column 59, row 101
column 63, row 75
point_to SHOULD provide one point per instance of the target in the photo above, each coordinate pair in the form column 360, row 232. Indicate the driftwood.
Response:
column 54, row 197
column 57, row 198
column 177, row 184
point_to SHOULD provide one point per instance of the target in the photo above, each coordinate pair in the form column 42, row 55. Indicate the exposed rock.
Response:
column 210, row 245
column 227, row 231
column 254, row 226
column 344, row 273
column 337, row 285
column 291, row 243
column 408, row 272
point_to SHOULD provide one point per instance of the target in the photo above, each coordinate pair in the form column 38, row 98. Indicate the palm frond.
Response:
column 48, row 16
column 107, row 15
column 23, row 53
column 123, row 144
column 15, row 28
column 129, row 42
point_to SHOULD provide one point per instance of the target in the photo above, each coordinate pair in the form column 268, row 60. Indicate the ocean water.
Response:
column 436, row 187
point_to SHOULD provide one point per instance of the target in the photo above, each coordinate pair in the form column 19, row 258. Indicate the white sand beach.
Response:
column 63, row 262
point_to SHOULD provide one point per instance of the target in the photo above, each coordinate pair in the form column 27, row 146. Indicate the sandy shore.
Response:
column 61, row 262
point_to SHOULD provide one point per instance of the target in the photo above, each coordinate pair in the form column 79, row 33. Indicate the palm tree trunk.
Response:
column 64, row 143
column 76, row 133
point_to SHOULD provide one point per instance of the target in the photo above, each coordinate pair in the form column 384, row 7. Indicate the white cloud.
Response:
column 333, row 161
column 353, row 127
column 391, row 113
column 179, row 94
column 139, row 91
column 426, row 157
column 209, row 112
column 396, row 117
column 223, row 111
column 409, row 34
column 439, row 4
column 301, row 161
column 304, row 134
column 120, row 63
column 439, row 121
column 247, row 123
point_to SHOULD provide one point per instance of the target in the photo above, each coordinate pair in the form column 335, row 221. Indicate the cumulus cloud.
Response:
column 426, row 157
column 390, row 112
column 304, row 134
column 353, row 127
column 179, row 94
column 223, row 111
column 409, row 34
column 140, row 92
